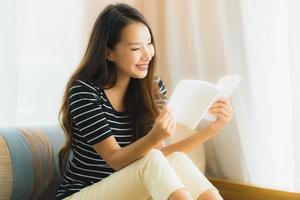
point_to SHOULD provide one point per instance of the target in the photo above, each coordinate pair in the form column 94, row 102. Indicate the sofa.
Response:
column 29, row 166
column 29, row 162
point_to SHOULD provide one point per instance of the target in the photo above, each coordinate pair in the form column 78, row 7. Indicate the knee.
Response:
column 154, row 155
column 154, row 159
column 211, row 194
column 178, row 156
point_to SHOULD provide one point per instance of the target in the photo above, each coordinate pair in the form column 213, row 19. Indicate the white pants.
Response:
column 152, row 177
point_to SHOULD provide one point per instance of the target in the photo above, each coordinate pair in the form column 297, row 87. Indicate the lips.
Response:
column 142, row 67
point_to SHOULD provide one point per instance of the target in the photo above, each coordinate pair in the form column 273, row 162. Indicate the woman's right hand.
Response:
column 164, row 125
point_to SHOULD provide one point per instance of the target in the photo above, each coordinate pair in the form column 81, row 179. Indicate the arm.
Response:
column 118, row 157
column 190, row 143
column 222, row 109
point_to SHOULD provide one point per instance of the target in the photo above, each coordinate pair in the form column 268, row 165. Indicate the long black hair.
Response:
column 94, row 67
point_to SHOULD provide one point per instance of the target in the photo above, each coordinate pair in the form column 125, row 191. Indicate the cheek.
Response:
column 130, row 60
column 152, row 51
column 127, row 61
column 127, row 58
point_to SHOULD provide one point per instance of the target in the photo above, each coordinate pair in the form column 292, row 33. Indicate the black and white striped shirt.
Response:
column 93, row 120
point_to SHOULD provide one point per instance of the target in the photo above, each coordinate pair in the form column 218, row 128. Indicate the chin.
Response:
column 139, row 75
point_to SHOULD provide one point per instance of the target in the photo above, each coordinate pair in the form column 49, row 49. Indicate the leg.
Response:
column 197, row 184
column 150, row 176
column 210, row 194
column 181, row 194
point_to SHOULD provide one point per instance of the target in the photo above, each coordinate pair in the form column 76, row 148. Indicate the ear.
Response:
column 109, row 55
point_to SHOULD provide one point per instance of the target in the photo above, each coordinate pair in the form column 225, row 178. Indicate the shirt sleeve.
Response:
column 87, row 113
column 163, row 93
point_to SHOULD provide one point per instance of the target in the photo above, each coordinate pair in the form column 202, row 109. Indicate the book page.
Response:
column 190, row 100
column 226, row 84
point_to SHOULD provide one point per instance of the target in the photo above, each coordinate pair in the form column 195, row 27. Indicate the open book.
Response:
column 191, row 99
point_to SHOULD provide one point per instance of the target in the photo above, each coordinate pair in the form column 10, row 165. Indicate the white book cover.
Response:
column 191, row 99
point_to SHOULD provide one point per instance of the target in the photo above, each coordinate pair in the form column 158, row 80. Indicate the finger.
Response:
column 171, row 125
column 219, row 107
column 165, row 109
column 174, row 127
column 227, row 102
column 221, row 104
column 167, row 114
column 223, row 118
column 221, row 111
column 222, row 101
column 168, row 120
column 163, row 113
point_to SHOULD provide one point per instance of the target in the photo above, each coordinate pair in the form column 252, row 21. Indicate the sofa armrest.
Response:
column 29, row 162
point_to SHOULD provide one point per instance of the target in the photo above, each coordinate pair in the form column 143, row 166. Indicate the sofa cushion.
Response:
column 5, row 170
column 29, row 162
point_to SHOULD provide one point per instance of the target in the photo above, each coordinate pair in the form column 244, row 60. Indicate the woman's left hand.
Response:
column 223, row 111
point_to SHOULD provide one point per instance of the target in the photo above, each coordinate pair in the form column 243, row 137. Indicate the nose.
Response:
column 147, row 54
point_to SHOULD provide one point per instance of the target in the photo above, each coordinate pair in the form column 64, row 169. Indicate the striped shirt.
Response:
column 93, row 120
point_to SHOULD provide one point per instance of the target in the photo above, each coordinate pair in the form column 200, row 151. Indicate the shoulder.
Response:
column 83, row 89
column 84, row 85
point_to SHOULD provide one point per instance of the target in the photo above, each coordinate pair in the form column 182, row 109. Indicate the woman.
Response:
column 115, row 121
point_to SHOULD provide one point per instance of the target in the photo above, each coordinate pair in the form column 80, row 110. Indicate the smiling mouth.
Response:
column 142, row 67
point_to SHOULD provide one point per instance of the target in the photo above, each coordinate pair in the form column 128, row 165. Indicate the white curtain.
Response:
column 40, row 44
column 260, row 43
column 269, row 147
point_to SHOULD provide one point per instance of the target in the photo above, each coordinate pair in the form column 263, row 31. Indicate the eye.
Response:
column 135, row 49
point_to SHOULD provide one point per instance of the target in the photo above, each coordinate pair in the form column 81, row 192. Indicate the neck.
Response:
column 122, row 84
column 120, row 88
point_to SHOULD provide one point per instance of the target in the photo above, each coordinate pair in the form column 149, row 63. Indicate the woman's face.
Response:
column 134, row 51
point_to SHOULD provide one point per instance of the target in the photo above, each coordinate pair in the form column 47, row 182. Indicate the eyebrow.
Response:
column 135, row 43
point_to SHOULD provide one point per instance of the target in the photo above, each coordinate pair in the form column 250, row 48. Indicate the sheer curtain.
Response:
column 269, row 147
column 267, row 48
column 40, row 45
